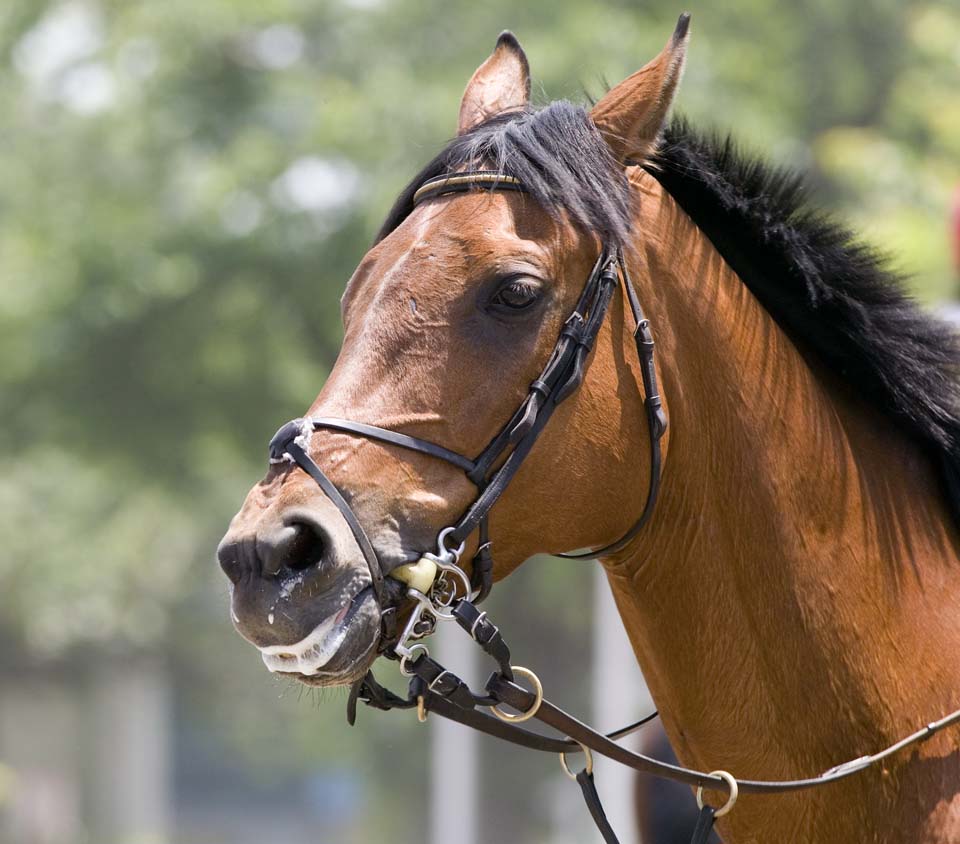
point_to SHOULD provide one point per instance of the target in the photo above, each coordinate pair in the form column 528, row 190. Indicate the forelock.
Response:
column 559, row 156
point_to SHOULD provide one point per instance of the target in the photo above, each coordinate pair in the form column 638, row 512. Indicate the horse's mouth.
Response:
column 334, row 652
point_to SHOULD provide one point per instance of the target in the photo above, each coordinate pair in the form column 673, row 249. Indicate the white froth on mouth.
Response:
column 311, row 653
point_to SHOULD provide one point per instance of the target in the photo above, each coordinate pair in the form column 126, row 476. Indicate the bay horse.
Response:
column 793, row 601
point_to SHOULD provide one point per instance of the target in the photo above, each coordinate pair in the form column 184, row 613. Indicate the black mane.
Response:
column 831, row 293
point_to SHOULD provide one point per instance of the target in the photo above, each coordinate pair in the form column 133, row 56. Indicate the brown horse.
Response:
column 793, row 601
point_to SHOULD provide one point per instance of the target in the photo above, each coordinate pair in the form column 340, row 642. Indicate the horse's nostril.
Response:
column 293, row 545
column 305, row 549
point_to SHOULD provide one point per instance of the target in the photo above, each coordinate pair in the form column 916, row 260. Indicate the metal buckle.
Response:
column 436, row 680
column 473, row 627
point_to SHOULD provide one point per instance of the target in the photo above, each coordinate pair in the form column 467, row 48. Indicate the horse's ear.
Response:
column 501, row 83
column 631, row 115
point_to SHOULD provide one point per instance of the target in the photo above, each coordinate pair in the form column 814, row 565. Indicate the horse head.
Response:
column 471, row 291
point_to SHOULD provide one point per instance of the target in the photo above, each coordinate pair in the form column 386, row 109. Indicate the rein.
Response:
column 440, row 589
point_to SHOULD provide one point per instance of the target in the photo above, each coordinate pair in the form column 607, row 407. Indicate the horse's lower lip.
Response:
column 315, row 650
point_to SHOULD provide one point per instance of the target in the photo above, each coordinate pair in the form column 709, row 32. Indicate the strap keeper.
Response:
column 609, row 274
column 444, row 683
column 482, row 576
column 485, row 633
column 658, row 417
column 541, row 387
column 573, row 327
column 644, row 336
column 388, row 625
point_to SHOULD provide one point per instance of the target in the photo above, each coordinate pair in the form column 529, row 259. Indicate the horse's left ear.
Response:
column 631, row 115
column 501, row 83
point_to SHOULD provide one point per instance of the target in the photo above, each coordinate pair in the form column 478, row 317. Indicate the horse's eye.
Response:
column 516, row 295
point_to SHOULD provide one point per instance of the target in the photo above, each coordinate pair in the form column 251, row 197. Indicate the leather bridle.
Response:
column 444, row 591
column 493, row 469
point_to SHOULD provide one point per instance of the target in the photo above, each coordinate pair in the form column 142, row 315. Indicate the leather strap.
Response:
column 394, row 438
column 560, row 377
column 284, row 445
column 656, row 421
column 490, row 180
column 519, row 698
column 441, row 692
column 701, row 832
column 592, row 799
column 485, row 633
column 304, row 461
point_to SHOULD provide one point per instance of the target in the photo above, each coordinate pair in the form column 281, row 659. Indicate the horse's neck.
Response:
column 790, row 603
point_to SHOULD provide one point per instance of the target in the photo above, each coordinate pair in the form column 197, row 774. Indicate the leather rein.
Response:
column 440, row 589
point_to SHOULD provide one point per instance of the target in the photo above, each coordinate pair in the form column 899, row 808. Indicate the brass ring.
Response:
column 588, row 761
column 421, row 710
column 734, row 791
column 527, row 674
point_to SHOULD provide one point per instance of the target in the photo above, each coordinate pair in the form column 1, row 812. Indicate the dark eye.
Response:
column 515, row 295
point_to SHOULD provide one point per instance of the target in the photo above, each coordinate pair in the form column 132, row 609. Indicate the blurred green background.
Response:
column 184, row 189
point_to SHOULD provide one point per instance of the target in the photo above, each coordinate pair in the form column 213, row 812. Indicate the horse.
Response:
column 792, row 600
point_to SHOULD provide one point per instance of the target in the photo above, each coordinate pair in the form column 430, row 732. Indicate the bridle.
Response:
column 493, row 469
column 441, row 590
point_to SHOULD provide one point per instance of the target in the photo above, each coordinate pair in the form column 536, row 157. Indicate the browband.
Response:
column 489, row 180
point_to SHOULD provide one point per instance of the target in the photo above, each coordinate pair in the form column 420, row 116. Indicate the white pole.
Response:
column 132, row 766
column 454, row 758
column 619, row 696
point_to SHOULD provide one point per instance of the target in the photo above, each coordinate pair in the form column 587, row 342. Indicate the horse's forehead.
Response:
column 459, row 233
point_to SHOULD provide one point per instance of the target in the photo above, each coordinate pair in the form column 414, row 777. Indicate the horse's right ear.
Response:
column 631, row 115
column 501, row 83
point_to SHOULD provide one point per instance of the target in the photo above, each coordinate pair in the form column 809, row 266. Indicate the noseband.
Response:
column 440, row 590
column 493, row 469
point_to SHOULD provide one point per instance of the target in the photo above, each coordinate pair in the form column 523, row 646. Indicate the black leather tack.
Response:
column 701, row 832
column 284, row 436
column 442, row 683
column 484, row 631
column 352, row 701
column 592, row 799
